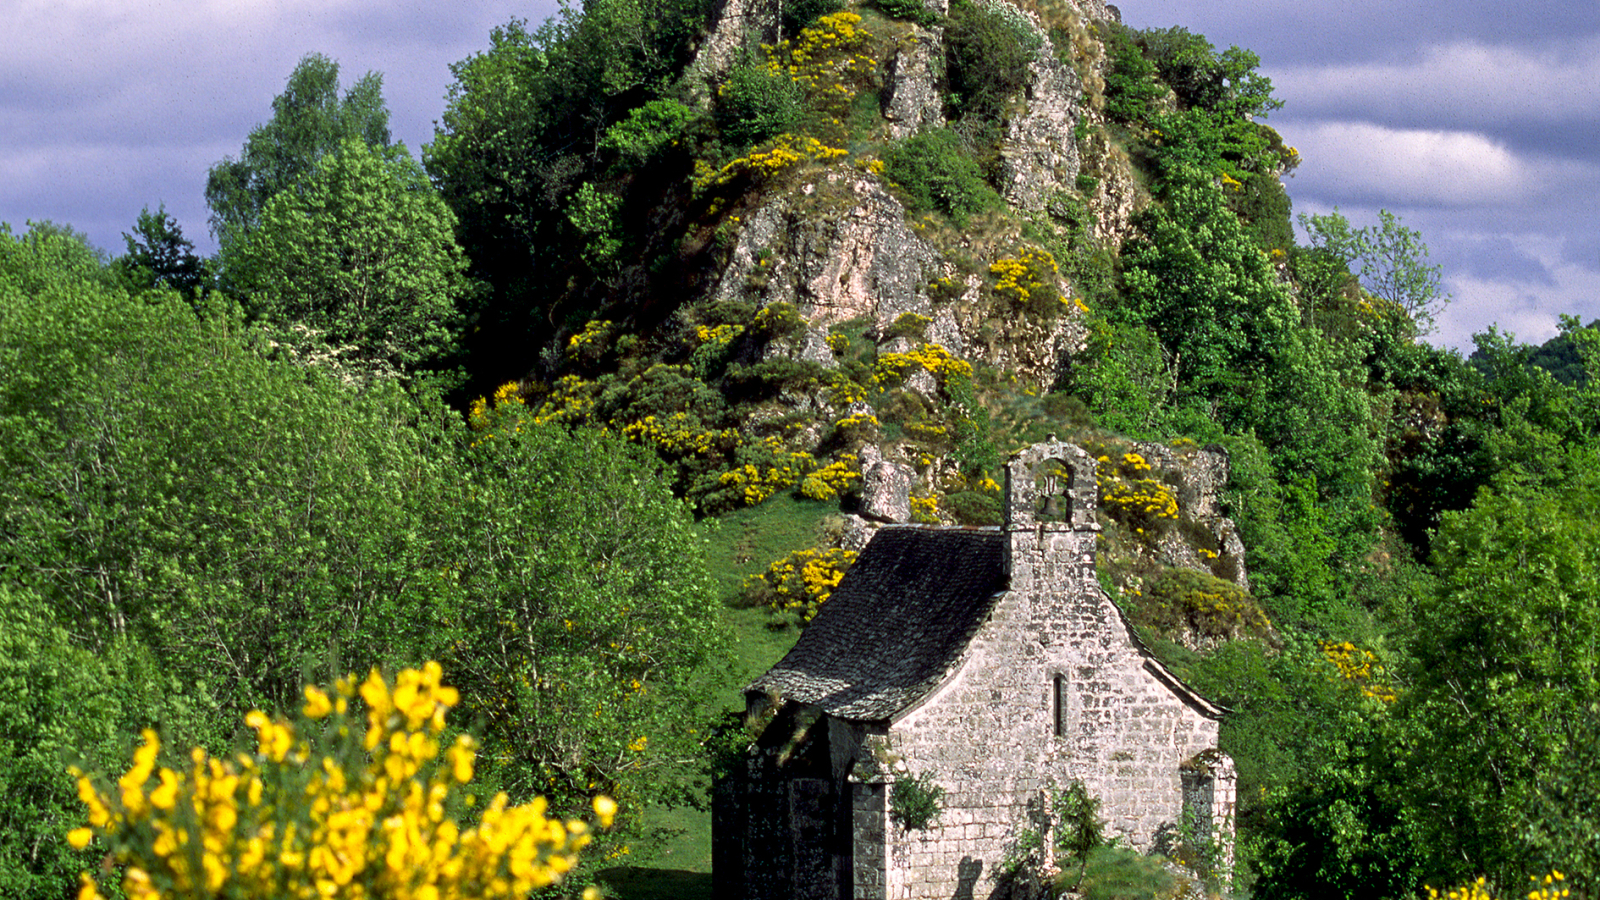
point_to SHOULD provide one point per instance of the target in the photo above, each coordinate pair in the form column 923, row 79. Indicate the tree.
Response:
column 1196, row 278
column 308, row 120
column 58, row 703
column 1507, row 691
column 1391, row 260
column 364, row 252
column 585, row 627
column 162, row 256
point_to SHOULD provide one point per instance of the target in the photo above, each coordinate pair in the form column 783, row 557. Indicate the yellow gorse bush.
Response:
column 893, row 368
column 336, row 806
column 1030, row 280
column 680, row 434
column 781, row 153
column 1130, row 496
column 832, row 60
column 1360, row 667
column 1550, row 887
column 802, row 581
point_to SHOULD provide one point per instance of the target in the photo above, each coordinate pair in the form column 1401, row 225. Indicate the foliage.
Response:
column 988, row 47
column 798, row 584
column 160, row 254
column 1032, row 280
column 309, row 120
column 938, row 174
column 1551, row 887
column 1131, row 88
column 1200, row 282
column 1391, row 260
column 649, row 130
column 914, row 801
column 59, row 701
column 333, row 803
column 1119, row 873
column 769, row 159
column 913, row 10
column 1225, row 83
column 520, row 132
column 248, row 519
column 1128, row 494
column 756, row 102
column 1505, row 684
column 579, row 633
column 832, row 61
column 165, row 481
column 363, row 251
column 797, row 14
column 1182, row 599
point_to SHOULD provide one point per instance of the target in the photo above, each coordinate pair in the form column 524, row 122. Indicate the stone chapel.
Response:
column 989, row 660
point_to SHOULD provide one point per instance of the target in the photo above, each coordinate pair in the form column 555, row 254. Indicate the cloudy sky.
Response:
column 1478, row 123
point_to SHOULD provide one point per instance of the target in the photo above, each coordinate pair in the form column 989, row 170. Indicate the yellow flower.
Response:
column 318, row 705
column 606, row 809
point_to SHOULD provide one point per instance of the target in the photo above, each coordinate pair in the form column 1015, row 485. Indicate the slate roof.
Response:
column 896, row 624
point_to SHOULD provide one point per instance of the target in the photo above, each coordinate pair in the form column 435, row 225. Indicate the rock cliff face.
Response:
column 840, row 249
column 834, row 239
column 1039, row 153
column 1200, row 476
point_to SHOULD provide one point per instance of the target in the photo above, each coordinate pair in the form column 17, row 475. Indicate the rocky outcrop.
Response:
column 885, row 487
column 734, row 25
column 840, row 249
column 1039, row 156
column 1198, row 476
column 912, row 100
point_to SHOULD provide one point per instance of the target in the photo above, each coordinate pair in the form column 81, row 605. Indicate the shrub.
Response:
column 648, row 130
column 1032, row 281
column 797, row 14
column 801, row 582
column 756, row 103
column 988, row 46
column 974, row 508
column 908, row 325
column 938, row 174
column 914, row 801
column 913, row 10
column 1205, row 604
column 332, row 804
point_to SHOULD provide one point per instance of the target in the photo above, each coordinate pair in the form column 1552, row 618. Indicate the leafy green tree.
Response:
column 164, row 480
column 1506, row 690
column 61, row 704
column 309, row 119
column 364, row 252
column 160, row 254
column 1198, row 279
column 1391, row 260
column 584, row 629
column 1225, row 83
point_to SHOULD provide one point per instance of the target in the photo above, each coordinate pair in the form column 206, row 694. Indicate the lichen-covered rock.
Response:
column 911, row 97
column 840, row 249
column 1039, row 155
column 1198, row 476
column 885, row 487
column 734, row 23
